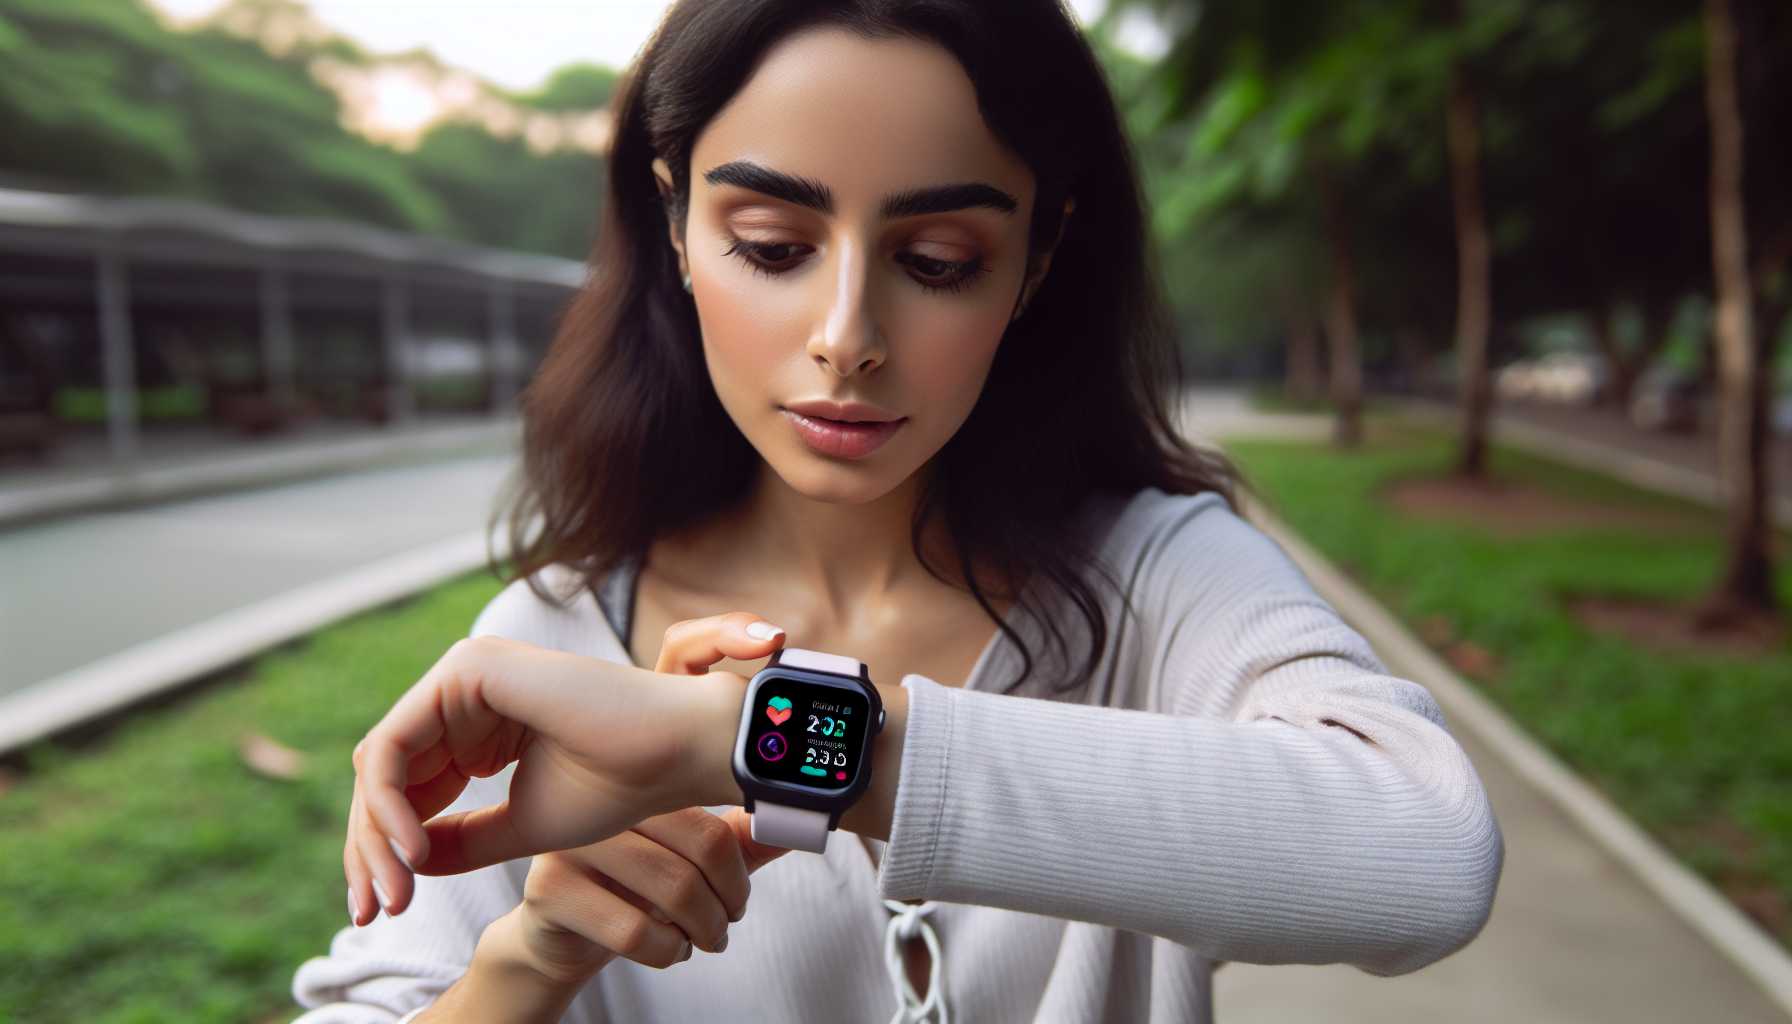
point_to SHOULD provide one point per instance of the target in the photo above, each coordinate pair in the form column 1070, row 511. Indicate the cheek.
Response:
column 744, row 342
column 947, row 355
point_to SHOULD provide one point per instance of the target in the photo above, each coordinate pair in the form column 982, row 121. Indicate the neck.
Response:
column 845, row 554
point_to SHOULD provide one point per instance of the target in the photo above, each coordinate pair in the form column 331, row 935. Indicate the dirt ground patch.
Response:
column 1741, row 880
column 1665, row 626
column 1510, row 509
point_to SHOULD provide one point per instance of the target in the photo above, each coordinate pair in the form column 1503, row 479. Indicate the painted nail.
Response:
column 381, row 893
column 763, row 631
column 354, row 908
column 398, row 851
column 722, row 944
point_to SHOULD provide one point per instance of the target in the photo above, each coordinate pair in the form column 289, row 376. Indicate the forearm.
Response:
column 712, row 756
column 502, row 985
column 1347, row 826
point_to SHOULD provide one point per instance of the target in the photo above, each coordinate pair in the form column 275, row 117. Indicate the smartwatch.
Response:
column 802, row 755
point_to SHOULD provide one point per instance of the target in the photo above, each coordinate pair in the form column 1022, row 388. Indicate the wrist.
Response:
column 548, row 959
column 504, row 982
column 713, row 709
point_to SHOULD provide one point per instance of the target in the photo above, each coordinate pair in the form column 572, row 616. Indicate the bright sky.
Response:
column 519, row 42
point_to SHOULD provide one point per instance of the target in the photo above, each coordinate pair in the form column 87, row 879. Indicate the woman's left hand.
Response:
column 598, row 747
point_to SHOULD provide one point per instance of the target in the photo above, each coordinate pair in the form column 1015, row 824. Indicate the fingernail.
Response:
column 722, row 944
column 381, row 893
column 354, row 908
column 764, row 631
column 398, row 851
column 688, row 948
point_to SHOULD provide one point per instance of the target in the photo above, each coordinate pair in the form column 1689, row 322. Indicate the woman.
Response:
column 1129, row 741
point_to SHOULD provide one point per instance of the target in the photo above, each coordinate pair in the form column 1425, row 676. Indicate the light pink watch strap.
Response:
column 797, row 657
column 799, row 828
column 794, row 828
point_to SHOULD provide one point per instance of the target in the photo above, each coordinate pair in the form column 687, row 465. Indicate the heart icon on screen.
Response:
column 778, row 709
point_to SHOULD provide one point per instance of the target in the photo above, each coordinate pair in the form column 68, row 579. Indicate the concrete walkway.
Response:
column 193, row 462
column 1577, row 934
column 1685, row 467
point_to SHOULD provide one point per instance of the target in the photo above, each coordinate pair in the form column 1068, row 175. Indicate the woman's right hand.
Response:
column 672, row 882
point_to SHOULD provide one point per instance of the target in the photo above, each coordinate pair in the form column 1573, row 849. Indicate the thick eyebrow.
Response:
column 816, row 196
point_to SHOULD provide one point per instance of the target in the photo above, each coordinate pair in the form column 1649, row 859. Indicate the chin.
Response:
column 835, row 481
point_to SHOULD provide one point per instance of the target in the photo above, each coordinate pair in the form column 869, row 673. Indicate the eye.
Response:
column 770, row 258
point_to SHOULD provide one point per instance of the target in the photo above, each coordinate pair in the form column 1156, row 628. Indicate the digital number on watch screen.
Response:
column 806, row 733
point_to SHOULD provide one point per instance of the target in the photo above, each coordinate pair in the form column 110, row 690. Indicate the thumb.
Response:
column 757, row 853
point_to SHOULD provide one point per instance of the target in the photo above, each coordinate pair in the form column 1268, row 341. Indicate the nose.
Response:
column 850, row 341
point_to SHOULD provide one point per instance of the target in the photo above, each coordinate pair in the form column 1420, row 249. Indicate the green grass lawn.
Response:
column 147, row 875
column 1696, row 748
column 1273, row 397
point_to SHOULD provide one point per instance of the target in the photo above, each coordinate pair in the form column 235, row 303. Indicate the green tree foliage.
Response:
column 1594, row 150
column 574, row 87
column 99, row 97
column 498, row 192
column 81, row 95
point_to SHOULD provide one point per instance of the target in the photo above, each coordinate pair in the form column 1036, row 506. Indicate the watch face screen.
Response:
column 807, row 733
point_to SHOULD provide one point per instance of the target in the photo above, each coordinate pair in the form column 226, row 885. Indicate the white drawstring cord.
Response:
column 906, row 922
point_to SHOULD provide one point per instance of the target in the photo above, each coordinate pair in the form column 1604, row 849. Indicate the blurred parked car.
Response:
column 1666, row 399
column 1574, row 378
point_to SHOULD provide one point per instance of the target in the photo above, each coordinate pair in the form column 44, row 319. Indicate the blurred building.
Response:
column 128, row 318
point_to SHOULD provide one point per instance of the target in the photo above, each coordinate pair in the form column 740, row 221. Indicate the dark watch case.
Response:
column 832, row 800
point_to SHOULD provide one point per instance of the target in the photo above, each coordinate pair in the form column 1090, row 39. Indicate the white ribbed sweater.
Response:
column 1241, row 780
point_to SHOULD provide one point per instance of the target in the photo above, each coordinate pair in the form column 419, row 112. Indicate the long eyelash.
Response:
column 965, row 272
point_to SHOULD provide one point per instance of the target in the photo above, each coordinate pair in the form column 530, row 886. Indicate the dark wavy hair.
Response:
column 623, row 392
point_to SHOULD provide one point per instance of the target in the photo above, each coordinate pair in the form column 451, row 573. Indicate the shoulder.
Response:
column 570, row 621
column 1178, row 548
column 1152, row 525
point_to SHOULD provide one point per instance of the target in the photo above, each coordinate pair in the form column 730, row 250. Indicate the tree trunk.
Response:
column 1340, row 323
column 1474, row 273
column 1747, row 579
column 1303, row 359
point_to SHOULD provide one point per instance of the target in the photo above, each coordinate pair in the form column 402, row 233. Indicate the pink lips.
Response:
column 844, row 440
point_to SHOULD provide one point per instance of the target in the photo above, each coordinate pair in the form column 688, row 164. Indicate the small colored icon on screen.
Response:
column 807, row 770
column 777, row 709
column 772, row 746
column 839, row 775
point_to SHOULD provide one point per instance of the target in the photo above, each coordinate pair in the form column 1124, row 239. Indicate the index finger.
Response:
column 691, row 646
column 415, row 724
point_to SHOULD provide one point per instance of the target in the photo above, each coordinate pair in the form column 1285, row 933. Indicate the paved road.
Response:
column 76, row 589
